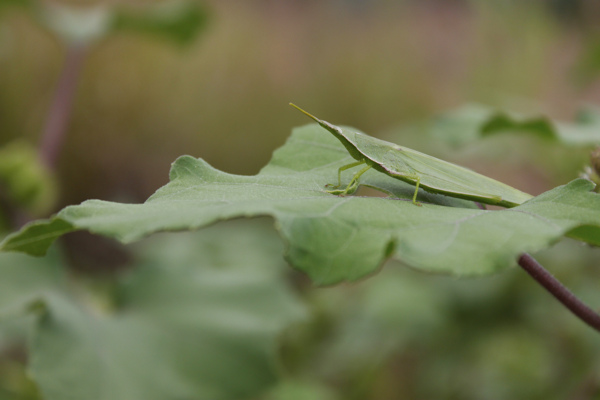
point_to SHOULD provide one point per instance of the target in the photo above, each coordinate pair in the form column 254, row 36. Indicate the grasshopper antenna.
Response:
column 305, row 113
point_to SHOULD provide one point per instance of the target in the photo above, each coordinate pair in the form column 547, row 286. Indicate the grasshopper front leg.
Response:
column 343, row 168
column 353, row 183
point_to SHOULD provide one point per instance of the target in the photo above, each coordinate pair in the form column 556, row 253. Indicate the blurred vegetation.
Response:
column 141, row 103
column 386, row 67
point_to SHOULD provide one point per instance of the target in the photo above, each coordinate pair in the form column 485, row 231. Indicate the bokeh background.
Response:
column 386, row 67
column 376, row 65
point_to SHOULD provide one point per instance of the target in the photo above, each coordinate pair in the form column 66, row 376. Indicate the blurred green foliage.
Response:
column 383, row 67
column 472, row 122
column 178, row 21
column 180, row 324
column 225, row 99
column 25, row 182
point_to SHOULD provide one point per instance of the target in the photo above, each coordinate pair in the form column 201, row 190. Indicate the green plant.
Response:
column 330, row 238
column 211, row 315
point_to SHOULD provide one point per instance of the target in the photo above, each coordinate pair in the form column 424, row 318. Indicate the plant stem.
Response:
column 559, row 291
column 60, row 109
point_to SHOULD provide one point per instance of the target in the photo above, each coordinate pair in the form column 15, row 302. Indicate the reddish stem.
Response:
column 55, row 129
column 559, row 291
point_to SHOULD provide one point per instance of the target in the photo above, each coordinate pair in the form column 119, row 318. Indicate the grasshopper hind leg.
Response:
column 414, row 199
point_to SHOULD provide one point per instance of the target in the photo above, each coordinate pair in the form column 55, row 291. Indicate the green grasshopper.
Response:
column 418, row 169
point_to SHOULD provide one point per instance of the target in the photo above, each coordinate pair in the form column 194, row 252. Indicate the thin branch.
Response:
column 559, row 291
column 60, row 109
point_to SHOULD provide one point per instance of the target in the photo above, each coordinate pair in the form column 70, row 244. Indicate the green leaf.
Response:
column 178, row 21
column 335, row 238
column 473, row 121
column 40, row 236
column 23, row 279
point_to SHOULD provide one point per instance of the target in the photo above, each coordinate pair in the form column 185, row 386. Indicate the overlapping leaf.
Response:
column 472, row 121
column 336, row 238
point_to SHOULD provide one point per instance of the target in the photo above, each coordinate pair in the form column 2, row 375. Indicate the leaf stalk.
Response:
column 559, row 291
column 57, row 121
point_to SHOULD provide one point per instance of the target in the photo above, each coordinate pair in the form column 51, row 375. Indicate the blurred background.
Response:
column 223, row 96
column 386, row 67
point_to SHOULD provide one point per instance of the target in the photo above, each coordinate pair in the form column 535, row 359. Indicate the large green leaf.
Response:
column 337, row 238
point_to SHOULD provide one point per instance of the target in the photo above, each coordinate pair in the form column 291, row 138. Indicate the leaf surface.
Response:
column 335, row 238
